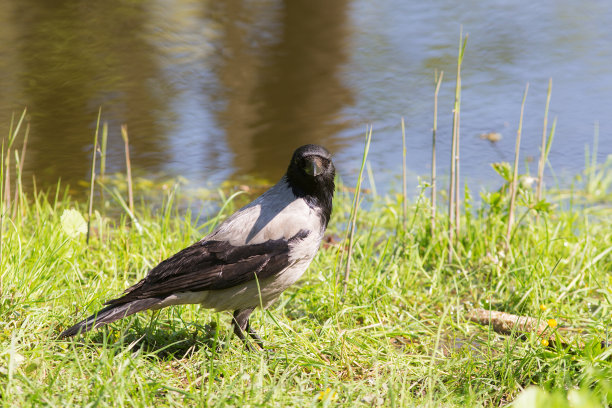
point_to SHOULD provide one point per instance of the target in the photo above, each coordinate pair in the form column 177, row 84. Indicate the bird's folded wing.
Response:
column 212, row 265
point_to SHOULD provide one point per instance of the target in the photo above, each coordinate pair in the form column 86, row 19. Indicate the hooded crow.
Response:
column 248, row 260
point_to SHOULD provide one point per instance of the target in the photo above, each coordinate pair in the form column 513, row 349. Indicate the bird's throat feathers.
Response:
column 319, row 199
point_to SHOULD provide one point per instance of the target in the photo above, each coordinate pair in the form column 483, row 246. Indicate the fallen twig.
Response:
column 506, row 323
column 510, row 324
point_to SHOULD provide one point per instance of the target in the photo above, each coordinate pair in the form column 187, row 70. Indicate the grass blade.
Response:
column 353, row 218
column 543, row 146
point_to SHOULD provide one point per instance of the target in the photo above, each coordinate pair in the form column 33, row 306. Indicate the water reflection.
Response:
column 264, row 75
column 214, row 89
column 74, row 58
column 281, row 84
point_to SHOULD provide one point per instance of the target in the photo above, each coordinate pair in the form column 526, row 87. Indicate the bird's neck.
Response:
column 318, row 197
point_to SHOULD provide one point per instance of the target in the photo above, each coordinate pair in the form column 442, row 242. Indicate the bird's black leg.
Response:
column 254, row 334
column 241, row 324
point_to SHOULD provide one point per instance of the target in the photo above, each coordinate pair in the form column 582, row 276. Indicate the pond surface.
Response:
column 212, row 90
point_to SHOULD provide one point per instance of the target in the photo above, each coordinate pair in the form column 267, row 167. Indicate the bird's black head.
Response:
column 311, row 176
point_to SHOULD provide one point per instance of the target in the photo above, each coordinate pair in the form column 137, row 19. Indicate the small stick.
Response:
column 93, row 175
column 404, row 188
column 124, row 135
column 538, row 196
column 433, row 153
column 510, row 324
column 353, row 219
column 514, row 188
column 506, row 323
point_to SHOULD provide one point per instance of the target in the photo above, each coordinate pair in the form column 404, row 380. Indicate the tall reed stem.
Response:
column 404, row 187
column 541, row 162
column 438, row 81
column 514, row 187
column 453, row 189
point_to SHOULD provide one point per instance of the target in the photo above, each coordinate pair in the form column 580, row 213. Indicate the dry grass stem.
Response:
column 511, row 324
column 438, row 80
column 453, row 189
column 404, row 187
column 103, row 149
column 93, row 176
column 18, row 183
column 124, row 135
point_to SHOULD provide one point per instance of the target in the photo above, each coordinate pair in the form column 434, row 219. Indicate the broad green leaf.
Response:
column 73, row 223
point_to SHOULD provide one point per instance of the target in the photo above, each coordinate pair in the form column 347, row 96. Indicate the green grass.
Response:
column 399, row 337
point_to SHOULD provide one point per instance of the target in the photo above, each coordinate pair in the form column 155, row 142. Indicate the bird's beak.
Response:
column 314, row 167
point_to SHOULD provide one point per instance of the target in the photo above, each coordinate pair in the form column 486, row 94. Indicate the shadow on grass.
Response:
column 159, row 340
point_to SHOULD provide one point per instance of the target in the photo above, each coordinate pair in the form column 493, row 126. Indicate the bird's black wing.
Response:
column 212, row 265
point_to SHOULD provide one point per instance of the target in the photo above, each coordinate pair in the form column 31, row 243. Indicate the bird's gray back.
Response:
column 277, row 214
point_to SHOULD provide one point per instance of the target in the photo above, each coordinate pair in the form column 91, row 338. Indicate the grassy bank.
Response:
column 399, row 336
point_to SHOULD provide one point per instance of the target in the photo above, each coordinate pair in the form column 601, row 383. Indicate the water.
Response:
column 214, row 90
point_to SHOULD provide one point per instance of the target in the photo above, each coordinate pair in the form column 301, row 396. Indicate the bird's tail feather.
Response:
column 108, row 315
